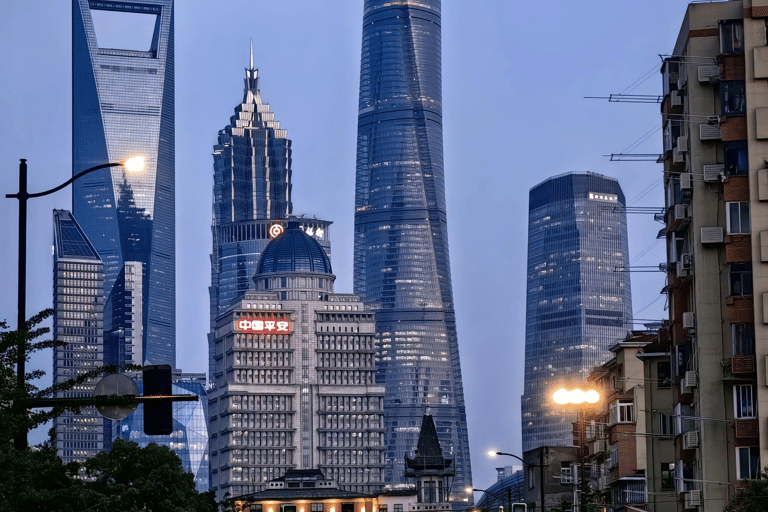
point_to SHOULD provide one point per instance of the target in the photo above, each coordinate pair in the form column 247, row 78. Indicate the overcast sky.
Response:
column 515, row 75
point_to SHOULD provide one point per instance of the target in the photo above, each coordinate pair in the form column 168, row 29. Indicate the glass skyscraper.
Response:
column 579, row 300
column 123, row 105
column 401, row 265
column 189, row 439
column 251, row 199
column 78, row 301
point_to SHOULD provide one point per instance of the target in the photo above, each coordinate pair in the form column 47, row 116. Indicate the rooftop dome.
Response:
column 294, row 251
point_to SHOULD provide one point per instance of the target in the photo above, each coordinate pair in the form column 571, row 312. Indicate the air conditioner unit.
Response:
column 712, row 235
column 691, row 439
column 678, row 157
column 681, row 212
column 709, row 132
column 706, row 73
column 713, row 172
column 689, row 320
column 682, row 144
column 686, row 181
column 692, row 499
column 677, row 99
column 690, row 379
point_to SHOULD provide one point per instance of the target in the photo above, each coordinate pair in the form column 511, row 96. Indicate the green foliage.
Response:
column 127, row 478
column 752, row 498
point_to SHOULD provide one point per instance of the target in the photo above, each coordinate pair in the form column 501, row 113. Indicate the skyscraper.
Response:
column 78, row 301
column 295, row 378
column 123, row 105
column 579, row 300
column 402, row 268
column 251, row 198
column 189, row 439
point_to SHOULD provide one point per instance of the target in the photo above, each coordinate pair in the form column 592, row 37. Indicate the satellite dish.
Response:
column 120, row 385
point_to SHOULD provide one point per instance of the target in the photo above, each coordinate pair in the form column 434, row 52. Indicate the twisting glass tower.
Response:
column 123, row 105
column 402, row 269
column 579, row 300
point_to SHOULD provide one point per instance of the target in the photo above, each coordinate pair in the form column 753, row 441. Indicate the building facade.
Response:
column 251, row 199
column 122, row 106
column 628, row 446
column 295, row 378
column 78, row 302
column 401, row 261
column 189, row 439
column 715, row 147
column 578, row 300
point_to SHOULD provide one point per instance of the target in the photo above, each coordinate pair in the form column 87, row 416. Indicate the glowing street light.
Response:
column 494, row 453
column 581, row 398
column 576, row 396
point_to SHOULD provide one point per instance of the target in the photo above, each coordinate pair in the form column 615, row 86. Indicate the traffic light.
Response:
column 158, row 414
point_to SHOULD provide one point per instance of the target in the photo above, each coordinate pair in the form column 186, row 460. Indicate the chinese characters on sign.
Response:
column 257, row 325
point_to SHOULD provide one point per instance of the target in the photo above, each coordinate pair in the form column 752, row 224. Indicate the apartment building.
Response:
column 715, row 123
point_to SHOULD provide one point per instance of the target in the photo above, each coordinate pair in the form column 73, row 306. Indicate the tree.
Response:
column 753, row 497
column 128, row 478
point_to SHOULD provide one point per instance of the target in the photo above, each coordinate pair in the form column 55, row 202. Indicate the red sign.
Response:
column 260, row 325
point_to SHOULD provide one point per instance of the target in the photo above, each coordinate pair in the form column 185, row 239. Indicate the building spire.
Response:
column 252, row 94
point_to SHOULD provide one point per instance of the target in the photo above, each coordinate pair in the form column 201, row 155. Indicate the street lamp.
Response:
column 133, row 164
column 493, row 454
column 470, row 490
column 581, row 398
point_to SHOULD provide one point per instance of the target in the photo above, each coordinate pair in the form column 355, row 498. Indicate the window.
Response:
column 747, row 462
column 665, row 424
column 733, row 98
column 318, row 507
column 566, row 473
column 667, row 475
column 744, row 401
column 740, row 277
column 737, row 214
column 398, row 507
column 664, row 375
column 621, row 411
column 743, row 338
column 735, row 157
column 731, row 37
column 530, row 475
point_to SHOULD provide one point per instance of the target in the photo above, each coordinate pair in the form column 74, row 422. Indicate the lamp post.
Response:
column 540, row 465
column 581, row 398
column 134, row 164
column 470, row 490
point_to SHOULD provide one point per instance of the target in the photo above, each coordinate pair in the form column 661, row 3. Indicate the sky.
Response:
column 515, row 77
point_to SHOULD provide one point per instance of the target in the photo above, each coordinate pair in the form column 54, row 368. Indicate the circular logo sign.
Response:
column 275, row 230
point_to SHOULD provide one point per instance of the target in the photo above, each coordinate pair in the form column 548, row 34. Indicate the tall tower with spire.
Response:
column 402, row 268
column 251, row 199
